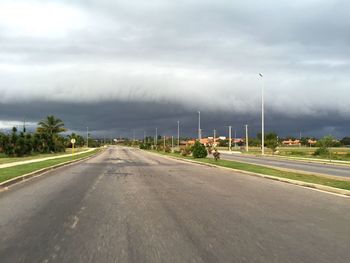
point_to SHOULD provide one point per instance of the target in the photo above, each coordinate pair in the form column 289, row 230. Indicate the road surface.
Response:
column 131, row 206
column 327, row 169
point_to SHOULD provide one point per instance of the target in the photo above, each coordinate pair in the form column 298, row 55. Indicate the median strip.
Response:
column 17, row 173
column 310, row 180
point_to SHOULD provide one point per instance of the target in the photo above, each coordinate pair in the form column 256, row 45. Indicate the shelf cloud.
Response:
column 117, row 57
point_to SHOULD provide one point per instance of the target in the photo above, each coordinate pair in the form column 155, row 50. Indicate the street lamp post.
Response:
column 214, row 140
column 164, row 143
column 199, row 126
column 87, row 137
column 230, row 137
column 262, row 116
column 172, row 143
column 156, row 139
column 246, row 138
column 178, row 135
column 235, row 139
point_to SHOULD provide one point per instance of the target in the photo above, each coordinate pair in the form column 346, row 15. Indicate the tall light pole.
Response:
column 214, row 137
column 87, row 137
column 164, row 143
column 246, row 138
column 262, row 116
column 235, row 139
column 230, row 137
column 156, row 139
column 199, row 126
column 178, row 135
column 172, row 143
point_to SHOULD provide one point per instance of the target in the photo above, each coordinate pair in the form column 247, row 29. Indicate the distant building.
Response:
column 210, row 141
column 291, row 142
column 311, row 142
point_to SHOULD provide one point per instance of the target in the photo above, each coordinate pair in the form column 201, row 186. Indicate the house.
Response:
column 311, row 142
column 291, row 142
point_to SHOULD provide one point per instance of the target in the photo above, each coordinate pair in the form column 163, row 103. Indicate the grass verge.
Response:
column 5, row 159
column 15, row 171
column 308, row 178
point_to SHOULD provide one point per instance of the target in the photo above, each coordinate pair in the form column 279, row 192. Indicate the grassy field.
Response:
column 315, row 179
column 15, row 171
column 337, row 153
column 5, row 159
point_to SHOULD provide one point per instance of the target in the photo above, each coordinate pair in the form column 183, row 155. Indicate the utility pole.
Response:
column 178, row 135
column 172, row 143
column 235, row 139
column 156, row 140
column 262, row 117
column 214, row 137
column 164, row 143
column 246, row 138
column 230, row 137
column 87, row 137
column 199, row 126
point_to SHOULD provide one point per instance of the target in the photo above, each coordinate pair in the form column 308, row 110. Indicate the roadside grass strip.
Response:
column 4, row 159
column 307, row 178
column 19, row 170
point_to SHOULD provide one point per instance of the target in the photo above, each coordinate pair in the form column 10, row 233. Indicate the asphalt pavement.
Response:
column 302, row 166
column 126, row 205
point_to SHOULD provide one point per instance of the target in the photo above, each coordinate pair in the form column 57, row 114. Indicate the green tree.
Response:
column 345, row 141
column 50, row 128
column 199, row 150
column 271, row 141
column 324, row 144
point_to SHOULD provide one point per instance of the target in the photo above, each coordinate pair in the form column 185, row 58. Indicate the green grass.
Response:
column 308, row 178
column 5, row 159
column 15, row 171
column 337, row 153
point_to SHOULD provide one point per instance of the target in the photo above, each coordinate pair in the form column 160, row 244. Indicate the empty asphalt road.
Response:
column 302, row 166
column 126, row 205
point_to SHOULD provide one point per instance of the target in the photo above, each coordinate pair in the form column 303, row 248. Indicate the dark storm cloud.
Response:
column 147, row 63
column 115, row 119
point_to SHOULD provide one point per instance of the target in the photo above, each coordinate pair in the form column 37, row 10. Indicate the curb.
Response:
column 343, row 192
column 307, row 160
column 13, row 164
column 4, row 185
column 292, row 170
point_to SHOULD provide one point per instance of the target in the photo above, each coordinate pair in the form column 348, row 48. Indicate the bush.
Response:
column 322, row 151
column 145, row 146
column 186, row 151
column 167, row 149
column 199, row 150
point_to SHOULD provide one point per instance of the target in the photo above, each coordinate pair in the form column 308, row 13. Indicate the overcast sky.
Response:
column 121, row 65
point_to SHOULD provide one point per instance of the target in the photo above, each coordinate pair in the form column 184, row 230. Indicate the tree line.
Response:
column 45, row 139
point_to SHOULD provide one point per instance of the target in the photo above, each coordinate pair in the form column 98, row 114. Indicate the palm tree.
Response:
column 49, row 129
column 51, row 126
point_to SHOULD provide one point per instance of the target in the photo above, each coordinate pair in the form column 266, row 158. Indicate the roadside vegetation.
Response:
column 6, row 159
column 46, row 139
column 307, row 178
column 325, row 148
column 18, row 170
